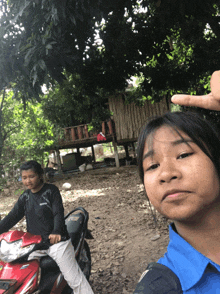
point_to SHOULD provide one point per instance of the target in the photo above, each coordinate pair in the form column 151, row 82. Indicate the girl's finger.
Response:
column 204, row 101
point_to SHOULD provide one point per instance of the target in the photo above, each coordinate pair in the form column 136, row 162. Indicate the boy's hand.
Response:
column 54, row 238
column 210, row 101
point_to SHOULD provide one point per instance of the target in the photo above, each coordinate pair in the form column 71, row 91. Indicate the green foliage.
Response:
column 172, row 44
column 68, row 104
column 27, row 133
column 35, row 133
column 19, row 192
column 8, row 111
column 175, row 107
column 41, row 38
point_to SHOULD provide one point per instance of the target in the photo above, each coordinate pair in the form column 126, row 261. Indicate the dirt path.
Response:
column 120, row 221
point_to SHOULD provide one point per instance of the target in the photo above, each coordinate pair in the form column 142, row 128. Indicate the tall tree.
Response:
column 171, row 43
column 26, row 134
column 8, row 124
column 68, row 104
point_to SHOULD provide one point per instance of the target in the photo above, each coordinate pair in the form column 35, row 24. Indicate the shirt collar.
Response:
column 188, row 263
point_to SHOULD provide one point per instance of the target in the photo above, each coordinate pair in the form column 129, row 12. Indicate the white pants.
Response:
column 64, row 255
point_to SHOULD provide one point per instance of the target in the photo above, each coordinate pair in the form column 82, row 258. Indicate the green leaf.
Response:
column 34, row 78
column 42, row 64
column 49, row 46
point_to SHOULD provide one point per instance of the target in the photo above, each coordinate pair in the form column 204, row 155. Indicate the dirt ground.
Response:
column 120, row 220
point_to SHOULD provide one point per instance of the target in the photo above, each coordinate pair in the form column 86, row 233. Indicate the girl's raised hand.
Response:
column 210, row 101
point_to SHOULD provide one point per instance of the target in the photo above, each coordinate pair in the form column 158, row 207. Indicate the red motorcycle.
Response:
column 20, row 276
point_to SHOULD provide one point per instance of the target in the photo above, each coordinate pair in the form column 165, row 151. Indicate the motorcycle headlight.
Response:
column 12, row 251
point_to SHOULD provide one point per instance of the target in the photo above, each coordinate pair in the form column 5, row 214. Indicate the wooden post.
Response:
column 110, row 127
column 93, row 153
column 66, row 134
column 54, row 158
column 73, row 134
column 79, row 132
column 110, row 146
column 103, row 128
column 126, row 151
column 86, row 131
column 116, row 154
column 59, row 161
column 133, row 147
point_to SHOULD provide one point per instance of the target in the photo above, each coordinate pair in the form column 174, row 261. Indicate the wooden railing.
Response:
column 80, row 132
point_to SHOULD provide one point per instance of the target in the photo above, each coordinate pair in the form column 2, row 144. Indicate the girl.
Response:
column 179, row 165
column 42, row 206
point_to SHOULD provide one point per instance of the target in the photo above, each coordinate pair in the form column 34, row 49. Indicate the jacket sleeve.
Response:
column 58, row 212
column 14, row 216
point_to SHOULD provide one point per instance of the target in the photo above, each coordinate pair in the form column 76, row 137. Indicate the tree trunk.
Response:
column 1, row 130
column 1, row 134
column 1, row 139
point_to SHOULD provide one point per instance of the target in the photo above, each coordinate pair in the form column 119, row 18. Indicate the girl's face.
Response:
column 31, row 180
column 180, row 179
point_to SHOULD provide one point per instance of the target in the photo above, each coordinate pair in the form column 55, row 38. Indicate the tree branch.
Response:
column 3, row 98
column 7, row 134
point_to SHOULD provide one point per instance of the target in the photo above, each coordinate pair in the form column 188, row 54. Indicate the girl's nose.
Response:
column 169, row 171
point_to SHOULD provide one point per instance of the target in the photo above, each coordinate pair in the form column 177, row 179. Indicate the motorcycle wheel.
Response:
column 85, row 260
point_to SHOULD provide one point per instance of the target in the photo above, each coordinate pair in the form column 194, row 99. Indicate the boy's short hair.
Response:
column 33, row 165
column 202, row 132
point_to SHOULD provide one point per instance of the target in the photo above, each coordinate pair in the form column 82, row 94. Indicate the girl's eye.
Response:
column 153, row 166
column 185, row 155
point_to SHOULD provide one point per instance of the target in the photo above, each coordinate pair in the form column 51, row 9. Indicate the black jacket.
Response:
column 43, row 210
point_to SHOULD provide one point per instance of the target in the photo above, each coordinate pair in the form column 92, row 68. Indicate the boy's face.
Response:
column 31, row 180
column 180, row 179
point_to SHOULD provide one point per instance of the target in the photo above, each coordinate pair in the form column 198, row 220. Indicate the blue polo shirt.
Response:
column 197, row 273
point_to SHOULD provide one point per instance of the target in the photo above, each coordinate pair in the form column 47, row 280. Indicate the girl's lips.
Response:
column 174, row 193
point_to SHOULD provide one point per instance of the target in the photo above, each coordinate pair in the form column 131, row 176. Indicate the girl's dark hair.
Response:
column 198, row 129
column 33, row 165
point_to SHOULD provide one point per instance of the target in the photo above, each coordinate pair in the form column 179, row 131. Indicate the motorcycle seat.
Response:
column 74, row 224
column 46, row 262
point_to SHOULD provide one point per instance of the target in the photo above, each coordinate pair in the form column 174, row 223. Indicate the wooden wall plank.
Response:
column 129, row 118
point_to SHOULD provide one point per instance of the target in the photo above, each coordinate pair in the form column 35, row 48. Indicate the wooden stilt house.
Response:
column 123, row 127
